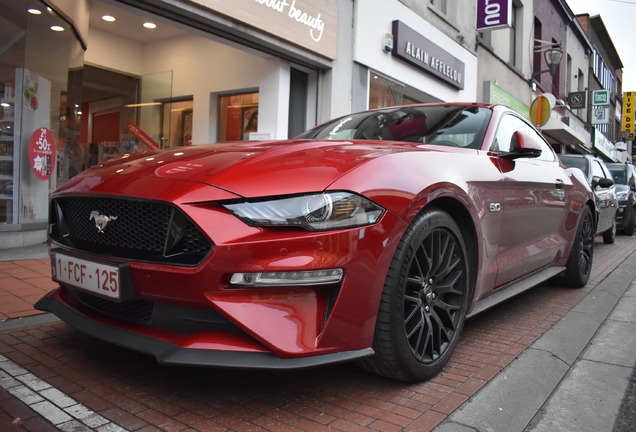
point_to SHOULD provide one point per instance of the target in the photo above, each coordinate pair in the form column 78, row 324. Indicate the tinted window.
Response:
column 510, row 124
column 457, row 126
column 598, row 171
column 575, row 162
column 618, row 172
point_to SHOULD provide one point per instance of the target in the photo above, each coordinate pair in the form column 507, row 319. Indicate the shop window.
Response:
column 238, row 116
column 38, row 50
column 384, row 92
column 177, row 122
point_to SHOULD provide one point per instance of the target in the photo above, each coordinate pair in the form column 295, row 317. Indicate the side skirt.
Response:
column 514, row 288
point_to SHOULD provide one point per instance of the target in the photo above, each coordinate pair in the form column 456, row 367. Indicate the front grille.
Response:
column 135, row 311
column 165, row 316
column 128, row 229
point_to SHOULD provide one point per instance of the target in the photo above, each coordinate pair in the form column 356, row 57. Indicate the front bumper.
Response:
column 170, row 353
column 195, row 316
column 622, row 214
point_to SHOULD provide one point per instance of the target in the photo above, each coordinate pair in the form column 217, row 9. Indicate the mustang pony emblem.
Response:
column 101, row 220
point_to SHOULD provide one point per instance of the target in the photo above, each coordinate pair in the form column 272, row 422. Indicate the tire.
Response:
column 424, row 301
column 609, row 236
column 631, row 220
column 579, row 266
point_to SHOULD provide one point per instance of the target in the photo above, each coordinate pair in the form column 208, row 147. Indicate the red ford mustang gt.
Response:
column 371, row 237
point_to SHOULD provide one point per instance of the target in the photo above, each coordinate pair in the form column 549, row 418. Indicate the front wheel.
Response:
column 609, row 236
column 631, row 220
column 424, row 302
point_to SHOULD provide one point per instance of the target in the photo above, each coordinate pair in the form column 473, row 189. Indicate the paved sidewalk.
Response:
column 25, row 276
column 552, row 359
column 573, row 378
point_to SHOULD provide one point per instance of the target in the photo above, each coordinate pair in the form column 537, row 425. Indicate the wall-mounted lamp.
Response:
column 552, row 53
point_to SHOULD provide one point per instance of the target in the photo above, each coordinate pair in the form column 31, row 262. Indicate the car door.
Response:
column 606, row 196
column 534, row 196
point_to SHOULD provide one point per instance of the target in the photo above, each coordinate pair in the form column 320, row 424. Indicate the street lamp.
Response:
column 553, row 57
column 552, row 53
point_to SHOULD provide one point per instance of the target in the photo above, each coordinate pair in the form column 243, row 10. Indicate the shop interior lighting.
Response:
column 34, row 11
column 142, row 104
column 109, row 18
column 57, row 28
column 150, row 25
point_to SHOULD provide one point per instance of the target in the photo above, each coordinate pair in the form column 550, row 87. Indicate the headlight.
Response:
column 315, row 212
column 623, row 195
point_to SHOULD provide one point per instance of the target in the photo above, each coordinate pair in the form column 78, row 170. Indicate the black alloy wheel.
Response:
column 579, row 266
column 609, row 236
column 424, row 301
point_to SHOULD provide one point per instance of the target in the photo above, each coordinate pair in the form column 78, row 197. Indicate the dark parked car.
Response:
column 601, row 181
column 371, row 237
column 625, row 180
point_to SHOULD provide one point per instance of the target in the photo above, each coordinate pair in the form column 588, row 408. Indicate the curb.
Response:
column 573, row 377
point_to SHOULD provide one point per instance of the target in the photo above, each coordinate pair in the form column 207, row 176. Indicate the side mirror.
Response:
column 522, row 146
column 602, row 182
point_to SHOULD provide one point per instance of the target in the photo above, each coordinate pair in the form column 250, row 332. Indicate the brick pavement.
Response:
column 22, row 283
column 131, row 390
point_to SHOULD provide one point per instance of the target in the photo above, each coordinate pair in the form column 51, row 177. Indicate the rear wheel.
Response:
column 579, row 266
column 424, row 301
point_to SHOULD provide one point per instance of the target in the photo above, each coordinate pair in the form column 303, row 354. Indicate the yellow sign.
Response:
column 540, row 110
column 627, row 123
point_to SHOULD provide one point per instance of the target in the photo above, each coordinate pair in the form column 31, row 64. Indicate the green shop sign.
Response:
column 496, row 95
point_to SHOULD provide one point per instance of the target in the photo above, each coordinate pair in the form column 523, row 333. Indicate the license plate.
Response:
column 98, row 278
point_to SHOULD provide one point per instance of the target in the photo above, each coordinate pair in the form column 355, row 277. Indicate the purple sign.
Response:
column 493, row 14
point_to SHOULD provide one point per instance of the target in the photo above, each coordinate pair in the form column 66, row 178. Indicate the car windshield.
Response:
column 457, row 126
column 618, row 172
column 575, row 162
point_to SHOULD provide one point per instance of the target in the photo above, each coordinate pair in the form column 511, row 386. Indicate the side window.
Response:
column 597, row 170
column 606, row 172
column 509, row 125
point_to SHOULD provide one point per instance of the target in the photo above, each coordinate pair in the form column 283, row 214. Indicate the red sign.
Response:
column 42, row 153
column 142, row 136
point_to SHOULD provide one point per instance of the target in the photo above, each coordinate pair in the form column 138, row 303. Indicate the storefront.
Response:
column 38, row 48
column 402, row 58
column 132, row 76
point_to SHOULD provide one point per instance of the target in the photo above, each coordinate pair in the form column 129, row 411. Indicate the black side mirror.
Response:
column 602, row 182
column 521, row 146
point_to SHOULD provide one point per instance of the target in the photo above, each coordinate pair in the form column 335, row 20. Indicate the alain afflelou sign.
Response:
column 414, row 48
column 311, row 24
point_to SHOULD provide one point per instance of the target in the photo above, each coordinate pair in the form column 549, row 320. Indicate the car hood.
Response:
column 246, row 169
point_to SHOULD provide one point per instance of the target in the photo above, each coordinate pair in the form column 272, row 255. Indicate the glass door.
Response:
column 143, row 121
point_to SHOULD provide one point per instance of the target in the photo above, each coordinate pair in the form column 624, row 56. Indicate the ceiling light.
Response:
column 109, row 18
column 150, row 25
column 34, row 11
column 57, row 28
